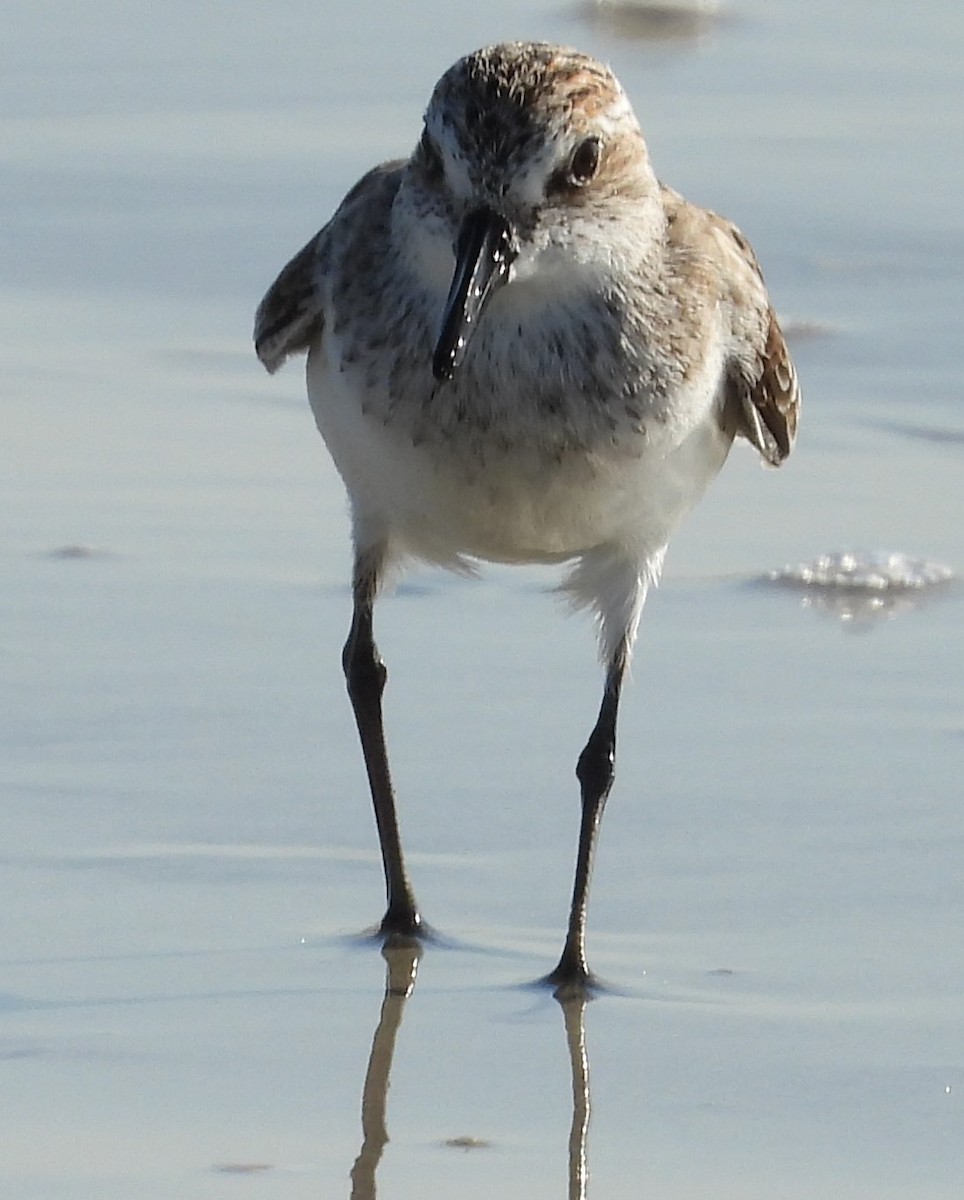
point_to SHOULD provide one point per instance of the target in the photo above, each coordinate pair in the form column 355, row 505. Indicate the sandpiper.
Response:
column 523, row 348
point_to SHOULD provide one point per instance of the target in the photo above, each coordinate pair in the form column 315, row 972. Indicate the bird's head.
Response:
column 528, row 157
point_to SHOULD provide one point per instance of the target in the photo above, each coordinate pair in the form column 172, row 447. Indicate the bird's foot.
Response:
column 403, row 922
column 571, row 979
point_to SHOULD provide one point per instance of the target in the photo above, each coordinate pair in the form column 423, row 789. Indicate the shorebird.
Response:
column 523, row 348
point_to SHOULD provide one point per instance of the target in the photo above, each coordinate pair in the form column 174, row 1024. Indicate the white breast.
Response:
column 502, row 504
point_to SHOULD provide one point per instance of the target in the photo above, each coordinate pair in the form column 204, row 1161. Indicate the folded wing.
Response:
column 768, row 396
column 291, row 314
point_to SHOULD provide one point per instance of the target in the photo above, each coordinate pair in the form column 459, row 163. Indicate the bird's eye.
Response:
column 581, row 169
column 431, row 158
column 584, row 162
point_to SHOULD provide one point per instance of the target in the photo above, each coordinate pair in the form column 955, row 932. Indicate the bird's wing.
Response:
column 768, row 396
column 292, row 313
column 762, row 378
column 714, row 260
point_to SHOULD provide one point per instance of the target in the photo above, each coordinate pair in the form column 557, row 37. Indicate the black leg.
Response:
column 595, row 771
column 365, row 674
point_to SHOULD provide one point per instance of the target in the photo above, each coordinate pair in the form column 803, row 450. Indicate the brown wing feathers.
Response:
column 770, row 404
column 290, row 313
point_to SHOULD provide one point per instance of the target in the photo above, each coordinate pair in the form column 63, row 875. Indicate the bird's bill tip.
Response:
column 483, row 257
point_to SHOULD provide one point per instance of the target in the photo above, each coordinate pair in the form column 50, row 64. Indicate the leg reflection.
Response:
column 574, row 1014
column 401, row 955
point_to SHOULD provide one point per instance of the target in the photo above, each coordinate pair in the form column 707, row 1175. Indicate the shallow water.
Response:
column 187, row 842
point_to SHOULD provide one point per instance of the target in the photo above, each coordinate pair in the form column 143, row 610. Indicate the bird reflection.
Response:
column 401, row 956
column 574, row 1014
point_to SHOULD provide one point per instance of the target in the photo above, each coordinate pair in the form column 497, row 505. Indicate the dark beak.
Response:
column 483, row 258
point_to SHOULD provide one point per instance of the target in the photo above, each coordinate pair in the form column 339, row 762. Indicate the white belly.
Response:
column 509, row 505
